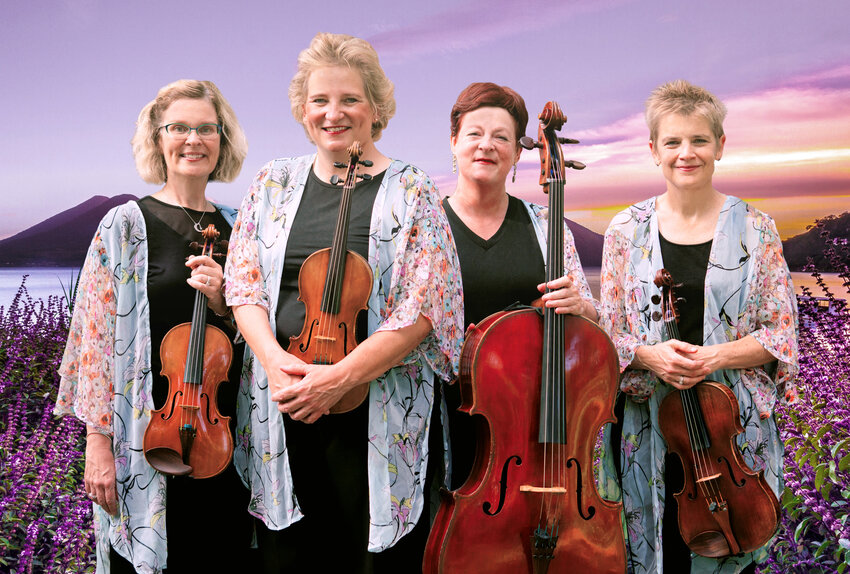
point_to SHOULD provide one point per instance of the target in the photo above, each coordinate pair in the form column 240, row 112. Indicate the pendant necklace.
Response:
column 197, row 223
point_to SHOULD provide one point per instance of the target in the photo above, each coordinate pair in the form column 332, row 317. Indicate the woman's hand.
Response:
column 320, row 387
column 674, row 362
column 99, row 475
column 208, row 278
column 565, row 297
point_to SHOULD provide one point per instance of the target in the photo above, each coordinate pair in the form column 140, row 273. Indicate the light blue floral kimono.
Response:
column 748, row 291
column 415, row 272
column 106, row 382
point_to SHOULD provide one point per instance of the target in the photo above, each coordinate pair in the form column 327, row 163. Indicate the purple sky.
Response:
column 75, row 74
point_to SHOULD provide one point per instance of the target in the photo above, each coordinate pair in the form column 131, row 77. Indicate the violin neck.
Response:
column 552, row 406
column 194, row 371
column 339, row 249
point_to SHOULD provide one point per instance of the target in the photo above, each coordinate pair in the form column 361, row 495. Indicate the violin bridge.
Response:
column 324, row 339
column 708, row 478
column 542, row 489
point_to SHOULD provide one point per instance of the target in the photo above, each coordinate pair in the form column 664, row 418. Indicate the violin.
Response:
column 725, row 508
column 540, row 385
column 334, row 284
column 188, row 435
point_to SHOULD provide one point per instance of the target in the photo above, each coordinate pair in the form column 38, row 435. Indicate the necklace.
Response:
column 197, row 223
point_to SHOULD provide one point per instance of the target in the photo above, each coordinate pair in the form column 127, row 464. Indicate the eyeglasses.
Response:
column 182, row 131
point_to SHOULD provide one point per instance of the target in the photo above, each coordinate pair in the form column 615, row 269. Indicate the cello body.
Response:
column 488, row 524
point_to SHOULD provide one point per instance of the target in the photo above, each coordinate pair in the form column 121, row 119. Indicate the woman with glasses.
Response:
column 138, row 281
column 342, row 492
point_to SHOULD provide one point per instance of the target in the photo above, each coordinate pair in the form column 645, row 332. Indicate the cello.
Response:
column 725, row 508
column 540, row 385
column 334, row 284
column 188, row 435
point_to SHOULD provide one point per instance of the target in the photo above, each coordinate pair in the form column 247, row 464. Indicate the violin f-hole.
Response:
column 503, row 487
column 306, row 345
column 731, row 473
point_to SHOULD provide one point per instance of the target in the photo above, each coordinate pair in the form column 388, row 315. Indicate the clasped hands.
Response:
column 305, row 391
column 679, row 364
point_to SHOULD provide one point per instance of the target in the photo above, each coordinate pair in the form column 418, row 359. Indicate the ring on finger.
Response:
column 207, row 282
column 681, row 379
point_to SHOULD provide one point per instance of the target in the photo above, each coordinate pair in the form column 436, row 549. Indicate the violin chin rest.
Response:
column 711, row 544
column 167, row 461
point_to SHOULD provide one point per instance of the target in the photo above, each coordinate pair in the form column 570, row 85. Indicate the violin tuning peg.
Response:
column 194, row 245
column 568, row 141
column 364, row 176
column 335, row 179
column 366, row 163
column 529, row 143
column 340, row 164
column 574, row 164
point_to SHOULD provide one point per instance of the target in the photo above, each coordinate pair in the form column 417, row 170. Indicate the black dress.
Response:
column 496, row 273
column 207, row 522
column 328, row 459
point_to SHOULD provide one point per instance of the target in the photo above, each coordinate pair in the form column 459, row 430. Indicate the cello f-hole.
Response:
column 503, row 487
column 590, row 509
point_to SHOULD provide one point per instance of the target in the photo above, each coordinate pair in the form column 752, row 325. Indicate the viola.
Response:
column 540, row 385
column 725, row 508
column 334, row 284
column 188, row 435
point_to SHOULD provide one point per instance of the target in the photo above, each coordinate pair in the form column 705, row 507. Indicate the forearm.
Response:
column 381, row 351
column 744, row 353
column 253, row 322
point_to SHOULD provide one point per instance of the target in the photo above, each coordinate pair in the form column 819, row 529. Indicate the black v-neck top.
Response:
column 687, row 264
column 499, row 271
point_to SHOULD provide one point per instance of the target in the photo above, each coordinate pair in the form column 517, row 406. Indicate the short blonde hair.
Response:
column 683, row 98
column 346, row 51
column 149, row 160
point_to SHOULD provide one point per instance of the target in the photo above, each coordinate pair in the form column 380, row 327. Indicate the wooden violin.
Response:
column 334, row 284
column 724, row 507
column 541, row 385
column 188, row 435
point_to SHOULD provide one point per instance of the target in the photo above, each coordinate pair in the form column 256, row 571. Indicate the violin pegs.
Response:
column 574, row 164
column 568, row 141
column 366, row 163
column 340, row 164
column 364, row 176
column 529, row 143
column 335, row 179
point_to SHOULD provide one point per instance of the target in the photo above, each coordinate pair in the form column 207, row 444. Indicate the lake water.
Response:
column 45, row 281
column 41, row 282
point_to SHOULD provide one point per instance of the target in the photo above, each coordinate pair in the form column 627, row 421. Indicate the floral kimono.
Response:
column 106, row 382
column 748, row 291
column 415, row 272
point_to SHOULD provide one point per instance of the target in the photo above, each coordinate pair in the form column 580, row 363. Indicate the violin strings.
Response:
column 697, row 436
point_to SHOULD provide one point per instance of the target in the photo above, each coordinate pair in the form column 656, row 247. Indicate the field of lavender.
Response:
column 45, row 518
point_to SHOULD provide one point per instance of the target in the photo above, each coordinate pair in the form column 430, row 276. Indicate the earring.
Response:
column 513, row 179
column 454, row 163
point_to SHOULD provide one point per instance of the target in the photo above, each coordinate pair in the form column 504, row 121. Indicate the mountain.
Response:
column 812, row 244
column 588, row 244
column 61, row 240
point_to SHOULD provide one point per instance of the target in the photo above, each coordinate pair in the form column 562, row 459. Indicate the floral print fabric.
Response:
column 106, row 382
column 415, row 272
column 748, row 291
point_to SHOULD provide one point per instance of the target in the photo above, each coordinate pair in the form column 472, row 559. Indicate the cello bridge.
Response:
column 542, row 489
